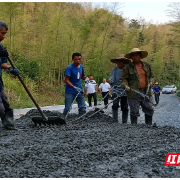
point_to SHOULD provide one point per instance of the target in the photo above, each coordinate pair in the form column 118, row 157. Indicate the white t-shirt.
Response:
column 105, row 87
column 91, row 86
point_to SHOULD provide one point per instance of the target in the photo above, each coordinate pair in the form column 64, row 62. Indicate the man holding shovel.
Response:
column 117, row 89
column 73, row 75
column 6, row 113
column 137, row 76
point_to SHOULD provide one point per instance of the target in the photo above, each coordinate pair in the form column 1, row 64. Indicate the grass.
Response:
column 178, row 93
column 18, row 98
column 45, row 95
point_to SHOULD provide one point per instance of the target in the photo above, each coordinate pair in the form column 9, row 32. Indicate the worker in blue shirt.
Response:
column 73, row 75
column 157, row 91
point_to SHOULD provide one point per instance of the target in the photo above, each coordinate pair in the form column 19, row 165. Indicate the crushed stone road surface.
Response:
column 95, row 147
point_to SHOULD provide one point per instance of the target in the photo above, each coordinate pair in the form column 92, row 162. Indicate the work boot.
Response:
column 148, row 119
column 115, row 115
column 133, row 120
column 124, row 117
column 7, row 120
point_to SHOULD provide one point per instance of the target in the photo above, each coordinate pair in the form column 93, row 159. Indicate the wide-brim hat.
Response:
column 156, row 83
column 136, row 50
column 122, row 58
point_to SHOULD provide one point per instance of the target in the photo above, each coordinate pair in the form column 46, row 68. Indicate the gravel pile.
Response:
column 94, row 148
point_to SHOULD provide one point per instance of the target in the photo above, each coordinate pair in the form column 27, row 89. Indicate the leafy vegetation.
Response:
column 43, row 35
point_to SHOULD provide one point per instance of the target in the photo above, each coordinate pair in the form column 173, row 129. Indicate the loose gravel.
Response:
column 95, row 148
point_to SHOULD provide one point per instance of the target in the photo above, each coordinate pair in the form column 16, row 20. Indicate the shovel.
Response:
column 40, row 119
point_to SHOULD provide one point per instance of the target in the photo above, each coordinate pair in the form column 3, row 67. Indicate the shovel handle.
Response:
column 147, row 91
column 27, row 90
column 118, row 95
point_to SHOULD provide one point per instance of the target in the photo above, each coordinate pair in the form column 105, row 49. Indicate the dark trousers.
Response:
column 156, row 98
column 123, row 101
column 94, row 95
column 4, row 104
column 135, row 104
column 106, row 98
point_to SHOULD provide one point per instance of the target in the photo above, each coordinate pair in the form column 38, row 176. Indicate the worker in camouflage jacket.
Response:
column 137, row 75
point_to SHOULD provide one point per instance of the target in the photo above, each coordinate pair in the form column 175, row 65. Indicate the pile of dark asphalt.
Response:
column 95, row 148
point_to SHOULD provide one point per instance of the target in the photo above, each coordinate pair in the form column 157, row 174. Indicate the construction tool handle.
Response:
column 147, row 91
column 27, row 90
column 72, row 104
column 118, row 95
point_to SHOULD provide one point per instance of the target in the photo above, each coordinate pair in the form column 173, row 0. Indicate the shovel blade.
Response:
column 51, row 120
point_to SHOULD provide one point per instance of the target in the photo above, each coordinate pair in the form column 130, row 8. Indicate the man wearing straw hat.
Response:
column 137, row 75
column 116, row 89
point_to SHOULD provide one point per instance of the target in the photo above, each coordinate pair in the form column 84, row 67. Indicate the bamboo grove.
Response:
column 43, row 35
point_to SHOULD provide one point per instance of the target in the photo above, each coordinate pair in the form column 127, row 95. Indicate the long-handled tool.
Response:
column 118, row 95
column 98, row 104
column 105, row 96
column 145, row 96
column 40, row 120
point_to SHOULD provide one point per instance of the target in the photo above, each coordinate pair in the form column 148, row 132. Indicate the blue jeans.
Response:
column 69, row 98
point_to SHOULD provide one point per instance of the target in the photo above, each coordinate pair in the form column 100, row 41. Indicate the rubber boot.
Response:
column 124, row 117
column 7, row 120
column 133, row 120
column 148, row 119
column 115, row 115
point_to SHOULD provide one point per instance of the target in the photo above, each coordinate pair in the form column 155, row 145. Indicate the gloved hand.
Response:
column 77, row 89
column 3, row 53
column 13, row 71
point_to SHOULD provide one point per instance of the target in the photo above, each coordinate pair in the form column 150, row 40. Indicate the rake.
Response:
column 51, row 120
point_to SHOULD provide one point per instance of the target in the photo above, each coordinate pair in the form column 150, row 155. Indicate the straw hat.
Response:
column 136, row 50
column 156, row 83
column 122, row 58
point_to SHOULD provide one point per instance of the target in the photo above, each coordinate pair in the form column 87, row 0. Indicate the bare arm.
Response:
column 100, row 91
column 110, row 91
column 96, row 89
column 68, row 82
